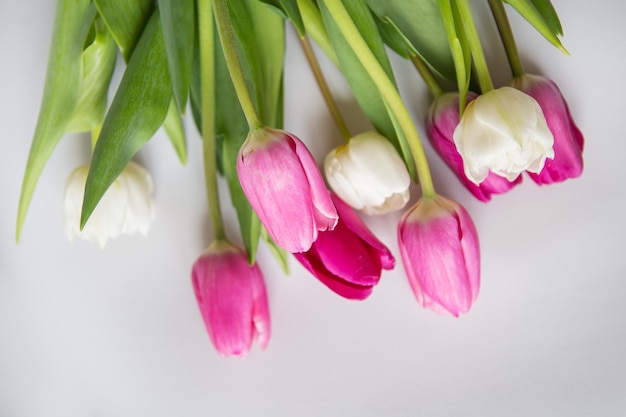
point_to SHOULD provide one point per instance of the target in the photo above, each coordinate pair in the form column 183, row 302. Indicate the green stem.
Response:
column 506, row 34
column 321, row 82
column 427, row 75
column 387, row 89
column 207, row 97
column 484, row 79
column 227, row 37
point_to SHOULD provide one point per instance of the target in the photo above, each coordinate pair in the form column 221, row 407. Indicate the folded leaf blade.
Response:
column 125, row 20
column 61, row 92
column 138, row 110
column 178, row 18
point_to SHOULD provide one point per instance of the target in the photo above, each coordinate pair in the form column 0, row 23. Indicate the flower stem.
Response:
column 321, row 82
column 484, row 78
column 387, row 90
column 227, row 37
column 506, row 34
column 207, row 97
column 427, row 75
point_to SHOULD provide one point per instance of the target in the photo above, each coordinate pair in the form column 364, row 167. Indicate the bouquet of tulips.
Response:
column 223, row 60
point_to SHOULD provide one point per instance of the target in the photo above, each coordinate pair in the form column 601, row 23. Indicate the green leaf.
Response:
column 279, row 253
column 195, row 92
column 362, row 85
column 173, row 126
column 421, row 24
column 261, row 36
column 545, row 8
column 125, row 20
column 289, row 9
column 394, row 38
column 61, row 91
column 98, row 64
column 179, row 23
column 314, row 25
column 543, row 17
column 138, row 109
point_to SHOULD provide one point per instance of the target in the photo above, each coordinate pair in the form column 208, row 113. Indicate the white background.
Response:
column 116, row 332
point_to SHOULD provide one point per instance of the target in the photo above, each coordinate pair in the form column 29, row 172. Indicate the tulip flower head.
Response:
column 505, row 132
column 125, row 208
column 232, row 299
column 284, row 186
column 442, row 120
column 568, row 140
column 368, row 174
column 349, row 259
column 439, row 248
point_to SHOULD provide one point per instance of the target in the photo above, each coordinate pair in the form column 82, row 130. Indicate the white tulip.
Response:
column 503, row 131
column 125, row 208
column 368, row 174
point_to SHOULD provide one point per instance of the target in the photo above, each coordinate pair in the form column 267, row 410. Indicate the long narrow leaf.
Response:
column 138, row 110
column 545, row 25
column 173, row 126
column 260, row 33
column 178, row 17
column 420, row 22
column 98, row 64
column 545, row 8
column 288, row 9
column 61, row 92
column 126, row 20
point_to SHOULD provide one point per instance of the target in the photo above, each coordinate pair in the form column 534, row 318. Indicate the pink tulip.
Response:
column 232, row 299
column 349, row 259
column 284, row 186
column 568, row 140
column 439, row 249
column 441, row 121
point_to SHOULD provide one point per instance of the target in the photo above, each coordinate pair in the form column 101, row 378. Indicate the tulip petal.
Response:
column 368, row 174
column 343, row 254
column 325, row 213
column 260, row 311
column 369, row 150
column 337, row 179
column 339, row 286
column 439, row 248
column 139, row 209
column 354, row 223
column 232, row 299
column 107, row 220
column 503, row 131
column 276, row 196
column 568, row 140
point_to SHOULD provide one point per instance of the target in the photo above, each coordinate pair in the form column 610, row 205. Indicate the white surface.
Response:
column 85, row 332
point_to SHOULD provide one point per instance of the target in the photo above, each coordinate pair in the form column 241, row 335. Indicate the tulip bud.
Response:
column 232, row 299
column 441, row 121
column 368, row 174
column 125, row 208
column 503, row 131
column 439, row 249
column 349, row 259
column 568, row 140
column 284, row 186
